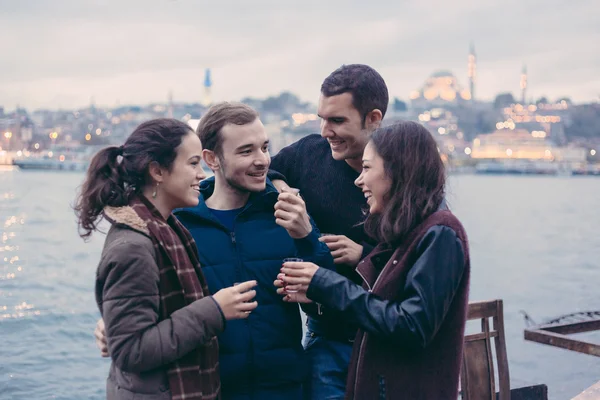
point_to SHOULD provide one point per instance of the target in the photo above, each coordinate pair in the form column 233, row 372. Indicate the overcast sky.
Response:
column 60, row 53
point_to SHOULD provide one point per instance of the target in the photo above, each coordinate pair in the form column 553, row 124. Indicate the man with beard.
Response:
column 244, row 229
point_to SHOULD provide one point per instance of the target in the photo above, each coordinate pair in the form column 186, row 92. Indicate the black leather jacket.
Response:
column 414, row 317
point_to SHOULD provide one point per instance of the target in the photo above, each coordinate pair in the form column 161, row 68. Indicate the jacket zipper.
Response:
column 246, row 321
column 362, row 340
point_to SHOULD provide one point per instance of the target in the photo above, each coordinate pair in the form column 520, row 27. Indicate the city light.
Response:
column 442, row 130
column 36, row 146
column 98, row 131
column 8, row 135
column 509, row 152
column 592, row 152
column 53, row 135
column 467, row 150
column 88, row 137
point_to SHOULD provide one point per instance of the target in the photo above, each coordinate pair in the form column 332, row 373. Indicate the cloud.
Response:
column 65, row 51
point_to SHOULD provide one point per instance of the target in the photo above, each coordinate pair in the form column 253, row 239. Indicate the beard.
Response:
column 237, row 183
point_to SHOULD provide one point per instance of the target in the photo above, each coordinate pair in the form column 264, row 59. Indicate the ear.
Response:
column 373, row 119
column 156, row 172
column 211, row 159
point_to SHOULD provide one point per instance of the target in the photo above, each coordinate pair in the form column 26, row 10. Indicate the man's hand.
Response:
column 100, row 336
column 343, row 250
column 280, row 185
column 290, row 213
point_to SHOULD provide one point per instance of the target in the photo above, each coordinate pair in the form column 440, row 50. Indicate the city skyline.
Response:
column 63, row 53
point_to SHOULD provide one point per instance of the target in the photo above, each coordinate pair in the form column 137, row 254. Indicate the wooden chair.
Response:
column 478, row 379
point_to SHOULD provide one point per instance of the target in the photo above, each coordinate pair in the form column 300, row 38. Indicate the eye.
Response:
column 337, row 120
column 245, row 152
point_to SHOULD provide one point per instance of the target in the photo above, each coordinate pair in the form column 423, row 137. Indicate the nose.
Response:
column 201, row 174
column 326, row 130
column 359, row 181
column 263, row 159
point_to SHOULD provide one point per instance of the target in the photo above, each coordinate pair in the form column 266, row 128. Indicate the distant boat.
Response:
column 57, row 159
column 517, row 167
column 51, row 164
column 593, row 170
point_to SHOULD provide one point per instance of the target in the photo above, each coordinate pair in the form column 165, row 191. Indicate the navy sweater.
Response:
column 332, row 200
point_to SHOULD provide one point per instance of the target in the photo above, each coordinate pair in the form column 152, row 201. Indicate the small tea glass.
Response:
column 290, row 259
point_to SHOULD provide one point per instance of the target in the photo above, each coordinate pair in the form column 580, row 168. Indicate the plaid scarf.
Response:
column 196, row 375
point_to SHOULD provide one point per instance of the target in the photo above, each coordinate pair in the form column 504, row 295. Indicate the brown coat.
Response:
column 140, row 340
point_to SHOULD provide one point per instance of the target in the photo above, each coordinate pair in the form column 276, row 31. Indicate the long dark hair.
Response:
column 412, row 161
column 117, row 173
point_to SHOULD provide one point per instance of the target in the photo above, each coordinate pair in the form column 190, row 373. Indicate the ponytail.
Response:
column 116, row 174
column 104, row 185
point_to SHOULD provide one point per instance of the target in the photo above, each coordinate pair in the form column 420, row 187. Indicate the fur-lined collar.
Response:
column 126, row 216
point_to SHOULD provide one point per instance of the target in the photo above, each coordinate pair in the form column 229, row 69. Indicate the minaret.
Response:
column 170, row 104
column 524, row 85
column 207, row 88
column 472, row 71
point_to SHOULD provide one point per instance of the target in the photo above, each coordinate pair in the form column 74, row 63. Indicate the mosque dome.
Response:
column 441, row 86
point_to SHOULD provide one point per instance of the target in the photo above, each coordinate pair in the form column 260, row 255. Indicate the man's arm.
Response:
column 283, row 166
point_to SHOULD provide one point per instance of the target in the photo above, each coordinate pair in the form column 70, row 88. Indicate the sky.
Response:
column 66, row 53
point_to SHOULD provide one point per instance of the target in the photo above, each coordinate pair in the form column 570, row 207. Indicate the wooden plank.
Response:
column 591, row 393
column 480, row 336
column 558, row 340
column 535, row 392
column 573, row 327
column 482, row 309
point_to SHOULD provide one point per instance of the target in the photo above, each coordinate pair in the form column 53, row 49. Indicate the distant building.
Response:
column 207, row 99
column 524, row 145
column 439, row 90
column 472, row 71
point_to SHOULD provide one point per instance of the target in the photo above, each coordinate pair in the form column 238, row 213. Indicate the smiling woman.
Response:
column 149, row 267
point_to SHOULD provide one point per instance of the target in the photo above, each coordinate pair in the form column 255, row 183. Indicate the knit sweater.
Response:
column 334, row 202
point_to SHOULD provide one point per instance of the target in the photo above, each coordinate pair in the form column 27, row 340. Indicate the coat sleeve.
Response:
column 310, row 249
column 431, row 285
column 137, row 340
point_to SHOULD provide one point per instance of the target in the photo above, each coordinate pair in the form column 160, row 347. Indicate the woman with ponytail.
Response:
column 161, row 321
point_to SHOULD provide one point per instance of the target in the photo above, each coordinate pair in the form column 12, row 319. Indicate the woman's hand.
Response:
column 297, row 297
column 297, row 275
column 235, row 301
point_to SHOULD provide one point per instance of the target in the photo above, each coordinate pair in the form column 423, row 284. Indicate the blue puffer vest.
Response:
column 263, row 351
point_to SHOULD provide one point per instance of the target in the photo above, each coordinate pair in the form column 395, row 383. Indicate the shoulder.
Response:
column 310, row 142
column 128, row 265
column 313, row 141
column 440, row 236
column 124, row 246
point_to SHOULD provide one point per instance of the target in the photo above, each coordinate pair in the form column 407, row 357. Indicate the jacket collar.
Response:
column 126, row 216
column 265, row 198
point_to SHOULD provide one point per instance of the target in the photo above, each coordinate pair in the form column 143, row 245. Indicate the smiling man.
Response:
column 244, row 229
column 353, row 101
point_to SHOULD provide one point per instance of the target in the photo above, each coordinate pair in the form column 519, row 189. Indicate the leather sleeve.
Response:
column 414, row 319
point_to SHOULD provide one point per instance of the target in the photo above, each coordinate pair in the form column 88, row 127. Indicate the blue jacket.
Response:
column 263, row 351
